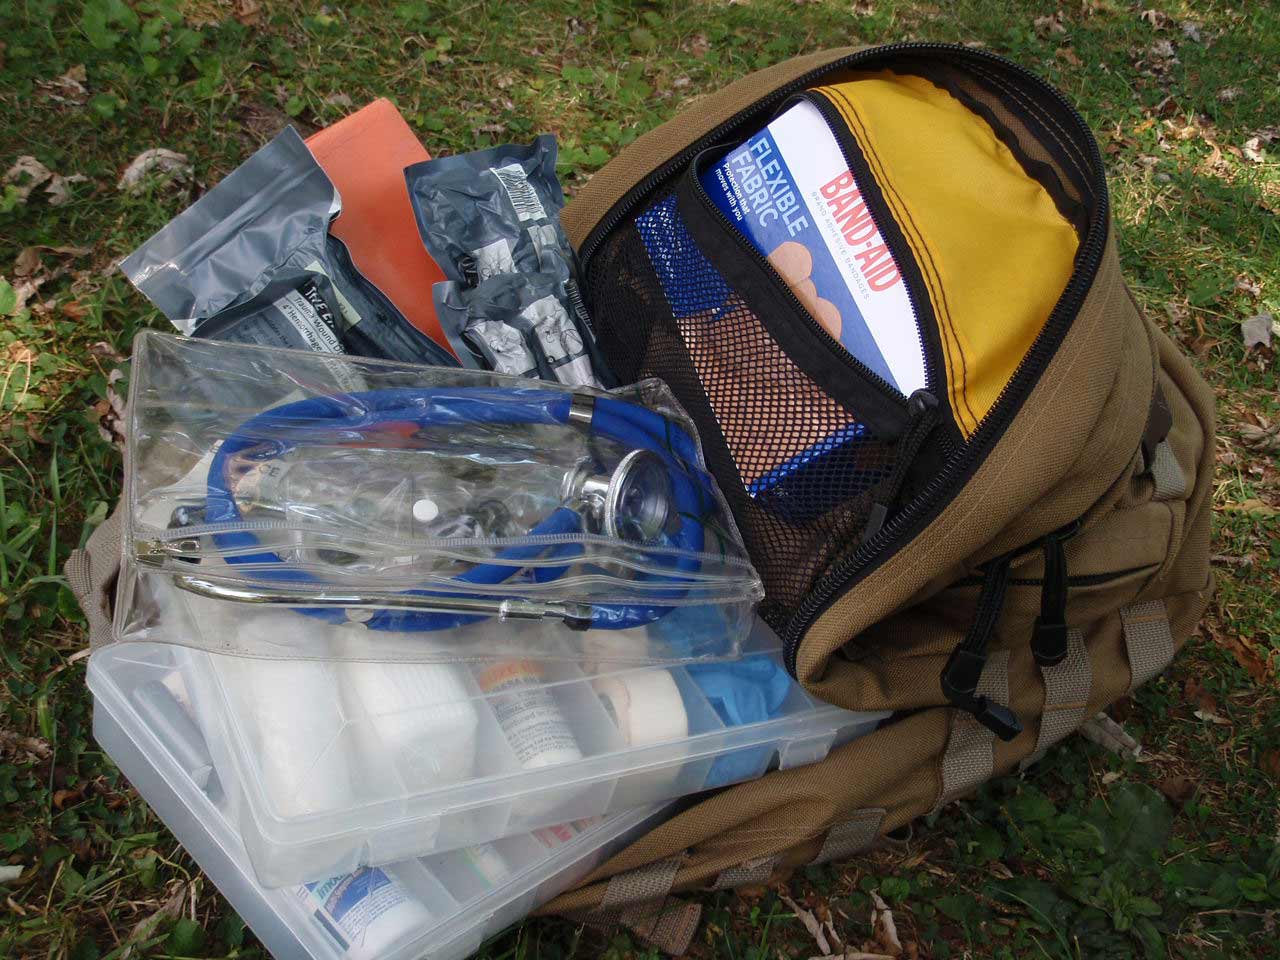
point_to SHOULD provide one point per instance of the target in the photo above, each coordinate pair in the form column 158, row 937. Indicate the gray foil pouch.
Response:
column 516, row 323
column 252, row 261
column 492, row 211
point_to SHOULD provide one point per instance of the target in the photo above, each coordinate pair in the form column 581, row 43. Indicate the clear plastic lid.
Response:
column 343, row 764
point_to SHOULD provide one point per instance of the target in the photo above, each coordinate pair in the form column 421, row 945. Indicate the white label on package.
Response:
column 791, row 193
column 349, row 312
column 304, row 316
column 493, row 259
column 523, row 197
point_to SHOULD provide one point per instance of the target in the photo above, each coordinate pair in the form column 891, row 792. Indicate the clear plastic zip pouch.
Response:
column 282, row 503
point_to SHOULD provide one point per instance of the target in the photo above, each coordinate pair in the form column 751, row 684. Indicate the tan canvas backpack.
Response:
column 1048, row 550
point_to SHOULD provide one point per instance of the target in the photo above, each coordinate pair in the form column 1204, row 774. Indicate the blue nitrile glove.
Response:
column 742, row 691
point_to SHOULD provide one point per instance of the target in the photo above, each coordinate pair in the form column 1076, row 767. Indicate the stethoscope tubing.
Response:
column 273, row 432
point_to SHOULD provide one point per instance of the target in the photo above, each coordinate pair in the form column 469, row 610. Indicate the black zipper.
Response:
column 927, row 503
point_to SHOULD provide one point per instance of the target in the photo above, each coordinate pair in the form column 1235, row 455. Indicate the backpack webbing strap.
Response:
column 751, row 872
column 638, row 899
column 1148, row 639
column 1157, row 456
column 851, row 836
column 970, row 756
column 92, row 573
column 1066, row 696
column 1166, row 472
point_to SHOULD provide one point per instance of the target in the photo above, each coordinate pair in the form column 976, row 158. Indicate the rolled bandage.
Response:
column 646, row 706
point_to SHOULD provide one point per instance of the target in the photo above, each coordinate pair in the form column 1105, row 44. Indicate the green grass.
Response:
column 1089, row 855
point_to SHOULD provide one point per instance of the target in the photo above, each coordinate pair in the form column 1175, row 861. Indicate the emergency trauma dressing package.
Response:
column 491, row 218
column 449, row 514
column 253, row 261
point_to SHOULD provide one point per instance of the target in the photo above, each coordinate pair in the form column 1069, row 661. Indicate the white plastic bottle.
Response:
column 365, row 913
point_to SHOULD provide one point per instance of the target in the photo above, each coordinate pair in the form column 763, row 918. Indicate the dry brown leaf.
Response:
column 159, row 164
column 1155, row 18
column 1191, row 30
column 248, row 12
column 1253, row 150
column 146, row 927
column 1256, row 330
column 883, row 927
column 1105, row 732
column 1049, row 25
column 1068, row 56
column 1161, row 50
column 1228, row 94
column 810, row 923
column 1253, row 507
column 1178, row 789
column 27, row 262
column 25, row 748
column 68, row 88
column 1270, row 764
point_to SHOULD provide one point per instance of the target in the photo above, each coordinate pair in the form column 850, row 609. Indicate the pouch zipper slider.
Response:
column 153, row 553
column 922, row 408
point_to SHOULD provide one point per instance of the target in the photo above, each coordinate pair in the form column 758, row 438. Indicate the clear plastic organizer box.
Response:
column 345, row 764
column 442, row 907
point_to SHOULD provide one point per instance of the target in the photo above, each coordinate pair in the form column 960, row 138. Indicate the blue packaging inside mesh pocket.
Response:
column 252, row 261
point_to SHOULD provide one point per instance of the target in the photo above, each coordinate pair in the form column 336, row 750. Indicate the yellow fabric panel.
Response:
column 994, row 251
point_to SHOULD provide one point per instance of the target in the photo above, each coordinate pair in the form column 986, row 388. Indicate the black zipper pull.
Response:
column 1049, row 635
column 922, row 409
column 963, row 671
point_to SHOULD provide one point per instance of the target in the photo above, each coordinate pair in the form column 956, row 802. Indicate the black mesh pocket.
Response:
column 800, row 469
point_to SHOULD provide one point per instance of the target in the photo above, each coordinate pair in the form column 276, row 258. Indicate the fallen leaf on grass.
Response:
column 1191, row 30
column 1105, row 732
column 156, row 164
column 68, row 88
column 810, row 922
column 1161, row 50
column 1255, row 665
column 1208, row 716
column 883, row 927
column 27, row 173
column 1253, row 507
column 248, row 12
column 1047, row 26
column 1256, row 330
column 1270, row 764
column 27, row 748
column 10, row 872
column 1261, row 438
column 1178, row 789
column 146, row 927
column 1253, row 150
column 1155, row 18
column 27, row 262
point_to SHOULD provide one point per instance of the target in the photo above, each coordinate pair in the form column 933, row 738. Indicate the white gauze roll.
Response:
column 289, row 711
column 420, row 714
column 646, row 706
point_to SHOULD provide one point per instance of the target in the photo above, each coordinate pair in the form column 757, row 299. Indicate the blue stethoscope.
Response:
column 656, row 495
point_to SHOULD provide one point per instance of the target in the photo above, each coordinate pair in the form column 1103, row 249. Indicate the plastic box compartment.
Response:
column 329, row 784
column 457, row 908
